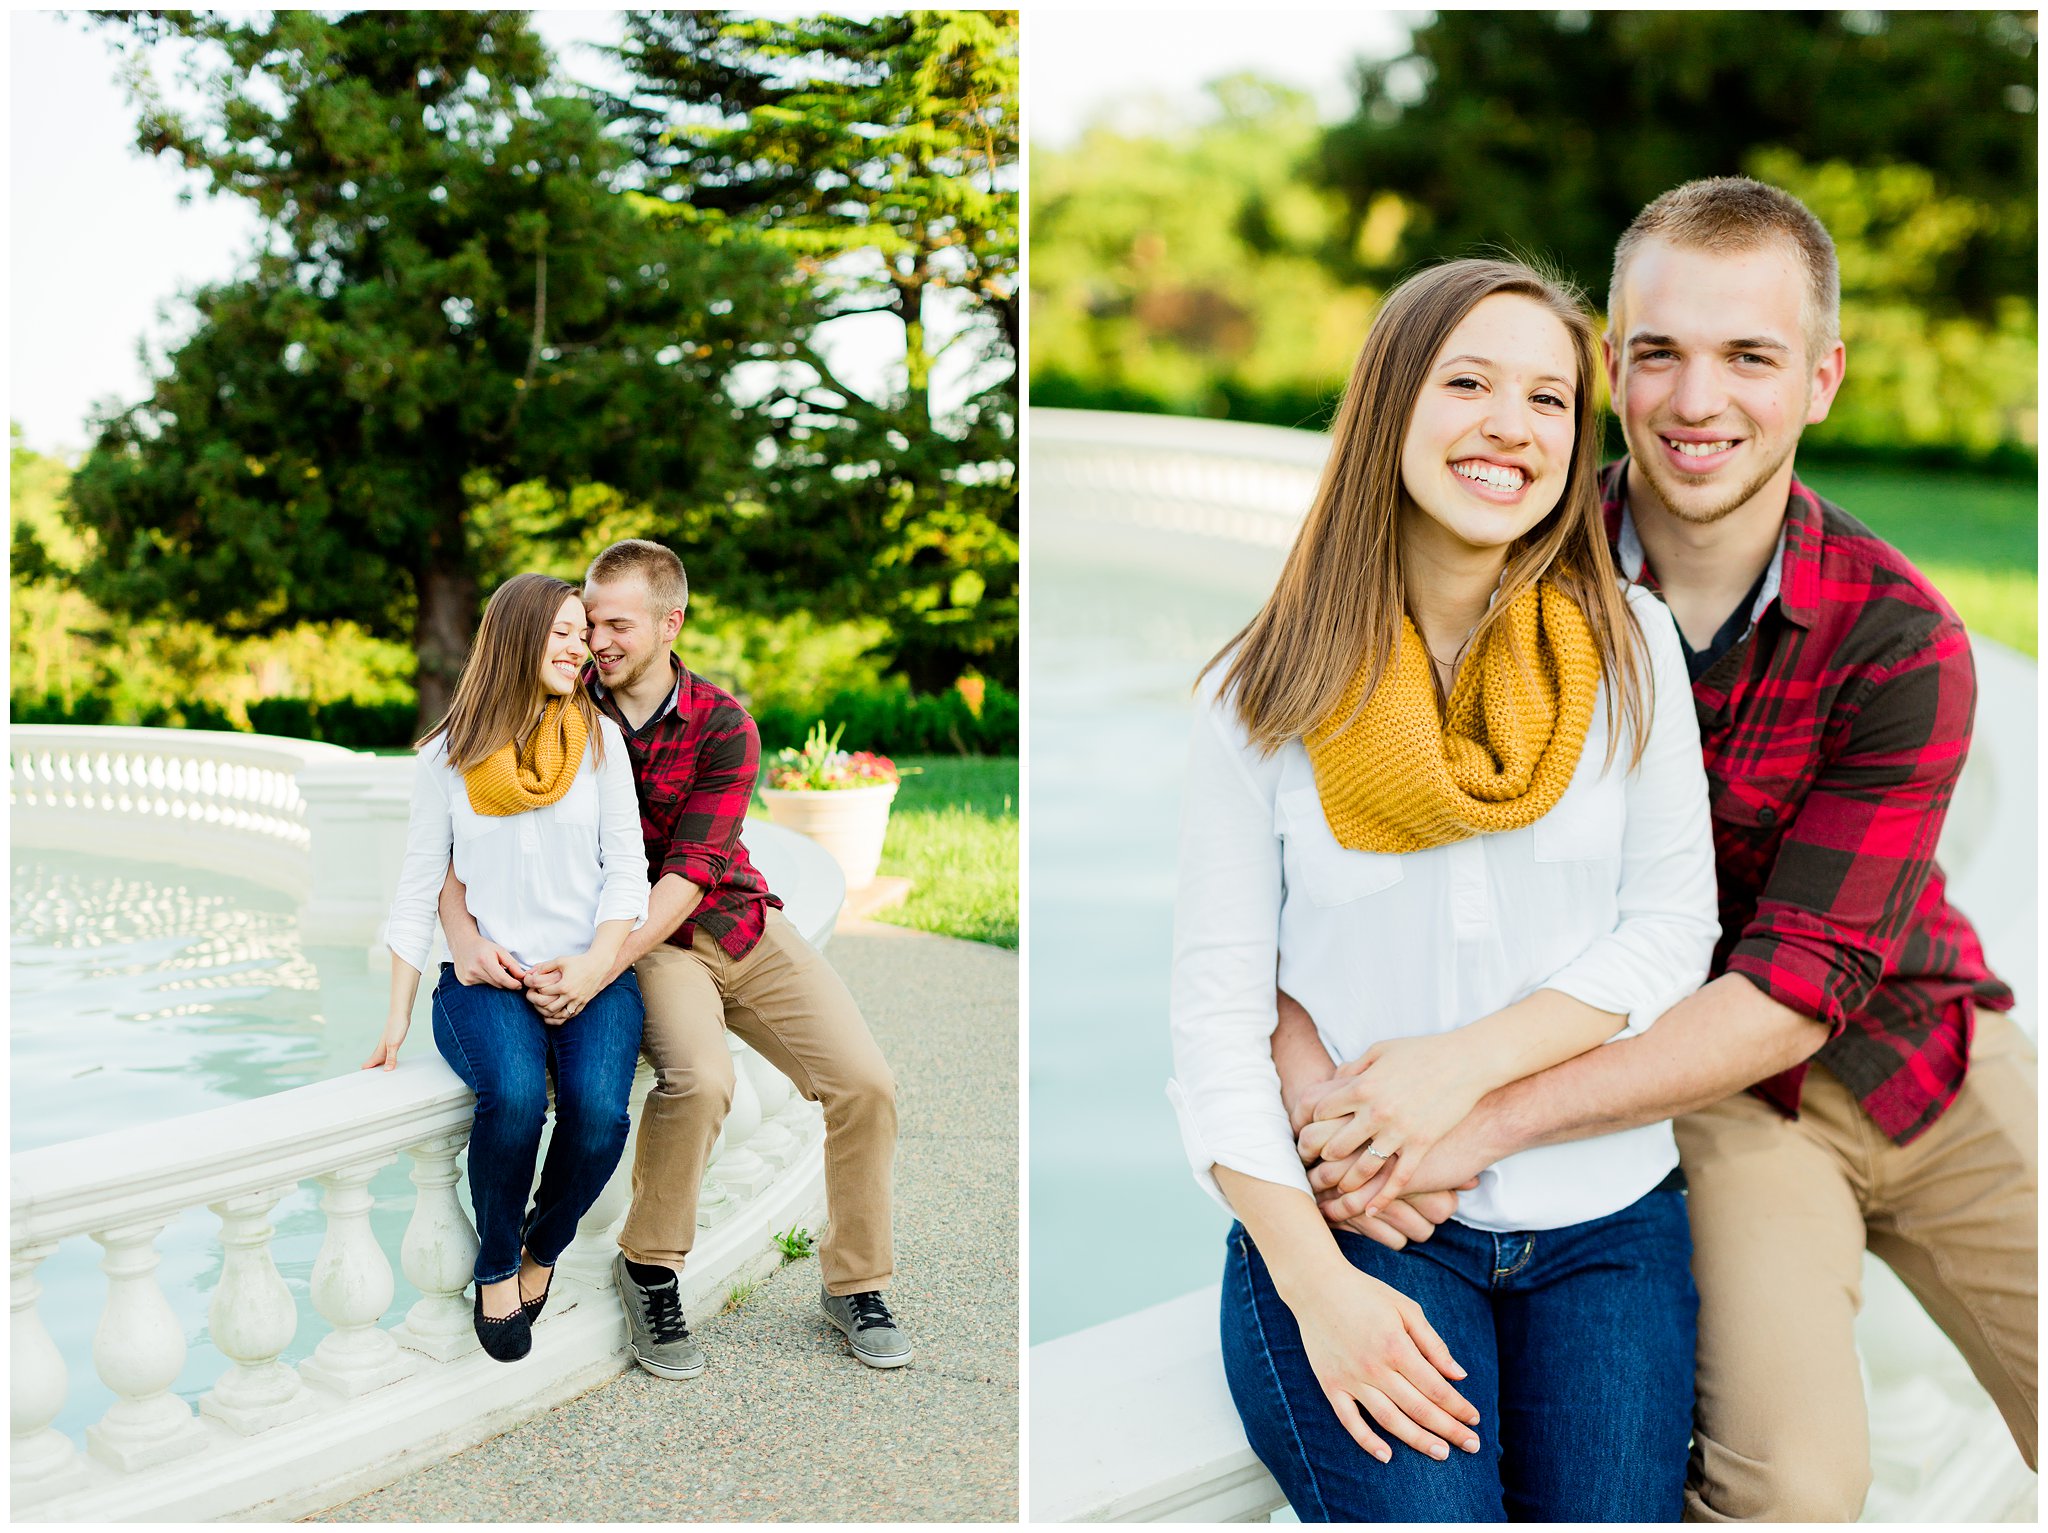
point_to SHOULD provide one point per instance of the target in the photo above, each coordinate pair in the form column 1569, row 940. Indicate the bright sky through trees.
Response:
column 1081, row 63
column 101, row 244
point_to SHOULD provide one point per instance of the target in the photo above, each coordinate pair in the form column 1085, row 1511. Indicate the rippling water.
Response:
column 140, row 992
column 1121, row 621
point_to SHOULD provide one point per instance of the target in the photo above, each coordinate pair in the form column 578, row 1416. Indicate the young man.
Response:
column 1888, row 1102
column 716, row 952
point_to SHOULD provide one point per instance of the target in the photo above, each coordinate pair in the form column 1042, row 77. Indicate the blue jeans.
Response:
column 500, row 1046
column 1578, row 1346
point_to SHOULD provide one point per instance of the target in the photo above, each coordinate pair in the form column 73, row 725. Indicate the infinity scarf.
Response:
column 514, row 779
column 1403, row 776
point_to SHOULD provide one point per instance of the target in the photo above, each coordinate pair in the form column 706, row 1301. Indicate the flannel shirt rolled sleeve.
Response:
column 1851, row 867
column 714, row 806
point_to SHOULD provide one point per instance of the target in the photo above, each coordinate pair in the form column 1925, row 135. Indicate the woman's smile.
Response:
column 1499, row 480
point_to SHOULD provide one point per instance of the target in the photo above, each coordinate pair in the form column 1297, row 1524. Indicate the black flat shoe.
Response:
column 507, row 1339
column 531, row 1308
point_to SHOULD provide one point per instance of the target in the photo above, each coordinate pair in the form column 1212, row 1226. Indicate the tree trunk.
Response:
column 917, row 360
column 445, row 625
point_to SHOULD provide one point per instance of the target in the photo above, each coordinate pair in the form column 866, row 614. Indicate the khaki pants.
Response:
column 785, row 1001
column 1781, row 1213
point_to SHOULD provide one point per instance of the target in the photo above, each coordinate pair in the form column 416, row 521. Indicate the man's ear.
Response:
column 1826, row 383
column 1610, row 358
column 672, row 624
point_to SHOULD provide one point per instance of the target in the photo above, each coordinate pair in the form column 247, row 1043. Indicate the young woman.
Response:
column 1446, row 789
column 533, row 791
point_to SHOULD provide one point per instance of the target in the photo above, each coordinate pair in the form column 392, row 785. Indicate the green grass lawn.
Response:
column 953, row 834
column 1972, row 535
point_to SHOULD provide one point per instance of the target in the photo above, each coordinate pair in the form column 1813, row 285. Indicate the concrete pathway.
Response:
column 785, row 1425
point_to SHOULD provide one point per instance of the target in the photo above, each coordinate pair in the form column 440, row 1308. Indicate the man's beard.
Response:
column 1657, row 470
column 631, row 678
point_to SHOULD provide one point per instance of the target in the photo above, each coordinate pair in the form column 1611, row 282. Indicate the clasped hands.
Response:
column 557, row 989
column 1366, row 1131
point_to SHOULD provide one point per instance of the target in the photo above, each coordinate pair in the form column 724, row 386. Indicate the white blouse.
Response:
column 539, row 883
column 1609, row 898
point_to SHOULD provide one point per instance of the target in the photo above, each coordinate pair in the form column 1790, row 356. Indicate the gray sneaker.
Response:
column 662, row 1343
column 869, row 1327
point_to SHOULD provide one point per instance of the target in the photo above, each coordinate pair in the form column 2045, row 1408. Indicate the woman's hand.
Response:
column 562, row 987
column 1399, row 1097
column 1375, row 1355
column 385, row 1055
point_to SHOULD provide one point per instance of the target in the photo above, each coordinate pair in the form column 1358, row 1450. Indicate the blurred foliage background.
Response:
column 499, row 317
column 1227, row 262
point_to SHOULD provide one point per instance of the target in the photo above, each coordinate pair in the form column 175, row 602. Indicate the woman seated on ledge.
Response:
column 533, row 790
column 1448, row 788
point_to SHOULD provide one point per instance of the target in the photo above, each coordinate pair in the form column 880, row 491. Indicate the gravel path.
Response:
column 785, row 1425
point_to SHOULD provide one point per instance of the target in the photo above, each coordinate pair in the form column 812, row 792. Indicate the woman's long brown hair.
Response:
column 499, row 696
column 1341, row 595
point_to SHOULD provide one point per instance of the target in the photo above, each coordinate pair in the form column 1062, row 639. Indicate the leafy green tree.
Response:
column 881, row 154
column 451, row 286
column 1186, row 267
column 1549, row 130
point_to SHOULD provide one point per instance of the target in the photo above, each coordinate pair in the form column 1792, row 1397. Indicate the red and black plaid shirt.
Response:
column 1834, row 732
column 694, row 765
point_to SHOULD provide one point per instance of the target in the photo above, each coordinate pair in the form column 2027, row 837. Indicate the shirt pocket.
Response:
column 1760, row 806
column 1583, row 826
column 1321, row 868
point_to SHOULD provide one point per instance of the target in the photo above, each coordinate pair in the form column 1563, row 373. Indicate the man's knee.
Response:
column 696, row 1083
column 866, row 1095
column 1806, row 1478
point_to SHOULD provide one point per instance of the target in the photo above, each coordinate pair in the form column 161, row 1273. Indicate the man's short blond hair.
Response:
column 1728, row 213
column 668, row 588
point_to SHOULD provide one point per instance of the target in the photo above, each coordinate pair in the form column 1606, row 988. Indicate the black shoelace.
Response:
column 869, row 1311
column 665, row 1313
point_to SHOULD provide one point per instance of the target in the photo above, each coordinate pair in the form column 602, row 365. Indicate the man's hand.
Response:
column 1453, row 1164
column 477, row 962
column 1407, row 1220
column 1396, row 1101
column 562, row 987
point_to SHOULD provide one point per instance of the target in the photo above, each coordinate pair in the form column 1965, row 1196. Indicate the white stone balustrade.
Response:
column 270, row 1440
column 253, row 1319
column 438, row 1254
column 206, row 798
column 1132, row 1420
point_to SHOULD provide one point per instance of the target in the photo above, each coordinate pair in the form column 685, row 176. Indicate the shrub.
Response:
column 50, row 708
column 288, row 717
column 902, row 723
column 366, row 726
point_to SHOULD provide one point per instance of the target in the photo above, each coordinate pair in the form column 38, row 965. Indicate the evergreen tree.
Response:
column 452, row 292
column 881, row 155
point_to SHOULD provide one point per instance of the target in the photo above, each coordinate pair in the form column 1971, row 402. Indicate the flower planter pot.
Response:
column 848, row 822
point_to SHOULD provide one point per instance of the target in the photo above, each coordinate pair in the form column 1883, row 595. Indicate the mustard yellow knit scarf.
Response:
column 1402, row 776
column 524, row 775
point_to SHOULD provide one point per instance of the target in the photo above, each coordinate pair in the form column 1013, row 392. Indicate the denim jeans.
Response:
column 1578, row 1347
column 500, row 1046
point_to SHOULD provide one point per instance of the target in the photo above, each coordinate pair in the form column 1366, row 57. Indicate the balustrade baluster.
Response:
column 352, row 1287
column 253, row 1318
column 438, row 1254
column 589, row 1257
column 737, row 1169
column 41, row 1461
column 772, row 1141
column 714, row 1204
column 138, row 1351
